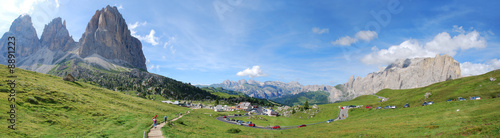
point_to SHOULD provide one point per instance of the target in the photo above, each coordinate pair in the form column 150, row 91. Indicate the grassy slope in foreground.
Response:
column 47, row 106
column 473, row 118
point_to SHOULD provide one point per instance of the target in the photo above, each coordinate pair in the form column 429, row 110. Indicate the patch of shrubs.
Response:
column 181, row 122
column 234, row 130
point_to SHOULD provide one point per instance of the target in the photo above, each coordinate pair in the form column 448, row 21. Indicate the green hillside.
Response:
column 145, row 84
column 47, row 106
column 476, row 118
column 317, row 97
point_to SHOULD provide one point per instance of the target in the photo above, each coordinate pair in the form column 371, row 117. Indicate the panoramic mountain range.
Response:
column 402, row 74
column 108, row 46
column 106, row 54
column 106, row 42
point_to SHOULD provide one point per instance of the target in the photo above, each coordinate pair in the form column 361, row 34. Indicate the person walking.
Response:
column 154, row 122
column 165, row 118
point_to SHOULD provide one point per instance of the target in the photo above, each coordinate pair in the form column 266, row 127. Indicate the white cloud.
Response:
column 154, row 68
column 255, row 71
column 120, row 7
column 345, row 41
column 317, row 30
column 458, row 29
column 150, row 38
column 468, row 68
column 407, row 49
column 169, row 43
column 136, row 24
column 41, row 12
column 363, row 35
column 366, row 35
column 442, row 43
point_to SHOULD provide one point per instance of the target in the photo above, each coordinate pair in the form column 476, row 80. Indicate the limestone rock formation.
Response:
column 107, row 35
column 56, row 36
column 402, row 74
column 27, row 41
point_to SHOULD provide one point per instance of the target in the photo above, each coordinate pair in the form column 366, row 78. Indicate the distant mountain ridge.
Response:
column 270, row 89
column 402, row 74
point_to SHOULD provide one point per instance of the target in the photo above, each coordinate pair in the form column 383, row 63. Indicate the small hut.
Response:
column 69, row 77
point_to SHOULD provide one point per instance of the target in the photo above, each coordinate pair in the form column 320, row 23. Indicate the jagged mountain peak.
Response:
column 26, row 36
column 107, row 35
column 55, row 36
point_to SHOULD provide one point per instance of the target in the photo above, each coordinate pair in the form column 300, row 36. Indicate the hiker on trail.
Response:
column 154, row 122
column 165, row 118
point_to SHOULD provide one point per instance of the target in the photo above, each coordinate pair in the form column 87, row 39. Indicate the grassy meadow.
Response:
column 476, row 118
column 47, row 106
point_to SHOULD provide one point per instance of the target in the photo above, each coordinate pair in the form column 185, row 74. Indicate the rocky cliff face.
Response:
column 27, row 41
column 402, row 74
column 106, row 43
column 55, row 36
column 108, row 36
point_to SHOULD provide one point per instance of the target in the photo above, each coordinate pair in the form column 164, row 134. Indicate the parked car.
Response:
column 276, row 127
column 227, row 119
column 249, row 122
column 252, row 125
column 239, row 114
column 233, row 119
column 329, row 120
column 235, row 115
column 475, row 98
column 379, row 107
column 246, row 114
column 352, row 106
column 393, row 107
column 387, row 107
column 406, row 105
column 303, row 125
column 461, row 99
column 368, row 107
column 239, row 123
column 223, row 116
column 429, row 103
column 424, row 104
column 449, row 100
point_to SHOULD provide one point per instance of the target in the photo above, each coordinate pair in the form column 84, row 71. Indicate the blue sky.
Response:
column 312, row 42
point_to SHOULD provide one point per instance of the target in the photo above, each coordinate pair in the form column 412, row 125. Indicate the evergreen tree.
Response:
column 306, row 105
column 217, row 102
column 293, row 111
